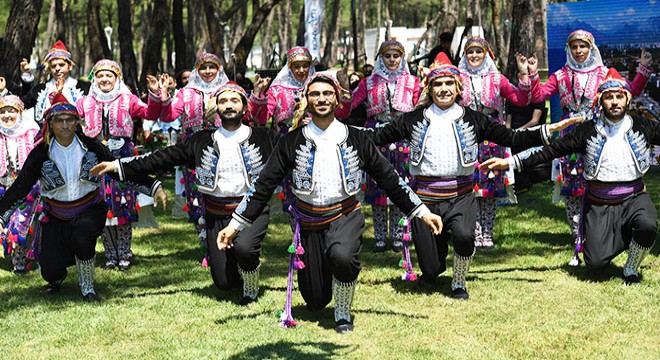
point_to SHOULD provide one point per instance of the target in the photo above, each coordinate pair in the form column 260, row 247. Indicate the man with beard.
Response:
column 60, row 63
column 327, row 160
column 444, row 139
column 618, row 212
column 227, row 161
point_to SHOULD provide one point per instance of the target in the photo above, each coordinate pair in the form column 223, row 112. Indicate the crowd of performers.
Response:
column 432, row 154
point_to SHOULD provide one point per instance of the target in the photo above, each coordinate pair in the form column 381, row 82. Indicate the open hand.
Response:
column 103, row 168
column 25, row 66
column 152, row 84
column 561, row 125
column 646, row 58
column 494, row 164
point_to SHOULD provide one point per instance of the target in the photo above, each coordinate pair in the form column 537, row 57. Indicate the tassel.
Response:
column 300, row 250
column 182, row 181
column 392, row 147
column 137, row 207
column 506, row 181
column 291, row 249
column 476, row 188
column 108, row 191
column 29, row 198
column 205, row 262
column 110, row 215
column 123, row 200
column 31, row 230
column 281, row 195
column 406, row 150
column 559, row 178
column 185, row 208
column 135, row 152
column 574, row 172
column 491, row 175
column 364, row 187
column 195, row 202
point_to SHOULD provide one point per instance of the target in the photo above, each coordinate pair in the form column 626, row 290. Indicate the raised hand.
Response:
column 59, row 85
column 103, row 168
column 434, row 222
column 226, row 237
column 521, row 61
column 166, row 84
column 152, row 84
column 260, row 85
column 533, row 64
column 646, row 58
column 25, row 66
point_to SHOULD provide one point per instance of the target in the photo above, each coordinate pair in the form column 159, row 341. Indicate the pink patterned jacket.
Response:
column 495, row 88
column 121, row 112
column 25, row 144
column 280, row 104
column 374, row 89
column 190, row 103
column 565, row 83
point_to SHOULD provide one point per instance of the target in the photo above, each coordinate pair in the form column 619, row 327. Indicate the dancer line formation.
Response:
column 432, row 154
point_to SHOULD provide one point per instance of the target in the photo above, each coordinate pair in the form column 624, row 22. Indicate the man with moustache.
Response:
column 327, row 160
column 618, row 212
column 227, row 161
column 444, row 139
column 73, row 214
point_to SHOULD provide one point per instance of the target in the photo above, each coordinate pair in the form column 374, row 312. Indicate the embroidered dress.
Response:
column 388, row 94
column 15, row 145
column 108, row 116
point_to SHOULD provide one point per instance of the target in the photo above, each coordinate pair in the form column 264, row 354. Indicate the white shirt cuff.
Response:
column 236, row 225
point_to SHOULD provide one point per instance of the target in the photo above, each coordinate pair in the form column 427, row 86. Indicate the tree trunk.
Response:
column 388, row 21
column 329, row 53
column 215, row 31
column 300, row 36
column 523, row 39
column 266, row 43
column 125, row 34
column 154, row 42
column 354, row 33
column 362, row 26
column 430, row 25
column 247, row 40
column 97, row 41
column 498, row 35
column 17, row 42
column 379, row 22
column 179, row 36
column 283, row 29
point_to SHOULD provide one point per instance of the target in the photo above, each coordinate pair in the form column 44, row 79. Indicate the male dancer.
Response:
column 227, row 161
column 444, row 139
column 327, row 160
column 74, row 211
column 60, row 63
column 618, row 212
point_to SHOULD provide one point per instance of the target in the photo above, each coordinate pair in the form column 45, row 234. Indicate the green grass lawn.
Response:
column 526, row 302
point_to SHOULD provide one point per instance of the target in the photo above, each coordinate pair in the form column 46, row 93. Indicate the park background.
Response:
column 526, row 302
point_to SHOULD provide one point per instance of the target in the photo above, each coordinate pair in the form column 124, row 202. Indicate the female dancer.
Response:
column 108, row 112
column 388, row 92
column 486, row 90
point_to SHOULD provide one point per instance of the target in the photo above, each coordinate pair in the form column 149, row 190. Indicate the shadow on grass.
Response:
column 292, row 350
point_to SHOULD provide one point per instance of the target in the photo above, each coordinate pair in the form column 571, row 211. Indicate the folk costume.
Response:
column 73, row 215
column 327, row 169
column 387, row 94
column 37, row 96
column 226, row 164
column 109, row 116
column 443, row 152
column 280, row 102
column 193, row 105
column 577, row 85
column 16, row 142
column 486, row 90
column 618, row 213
